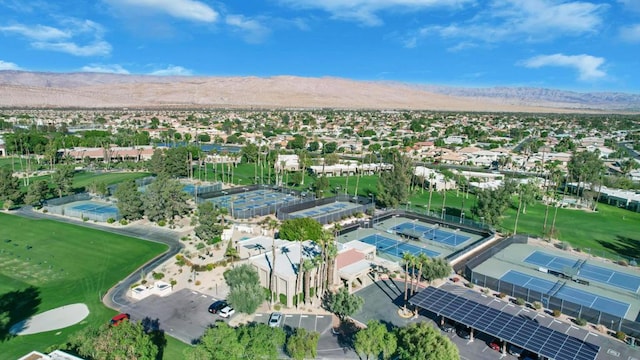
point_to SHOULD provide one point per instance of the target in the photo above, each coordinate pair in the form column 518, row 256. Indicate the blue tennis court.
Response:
column 321, row 210
column 584, row 270
column 255, row 199
column 568, row 293
column 430, row 233
column 396, row 248
column 97, row 208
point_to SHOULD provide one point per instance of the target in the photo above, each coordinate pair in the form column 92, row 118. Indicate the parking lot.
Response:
column 317, row 323
column 183, row 314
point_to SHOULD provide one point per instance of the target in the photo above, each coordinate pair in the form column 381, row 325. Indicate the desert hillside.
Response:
column 90, row 90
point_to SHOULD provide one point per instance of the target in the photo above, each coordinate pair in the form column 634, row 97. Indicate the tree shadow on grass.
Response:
column 16, row 307
column 624, row 246
column 152, row 327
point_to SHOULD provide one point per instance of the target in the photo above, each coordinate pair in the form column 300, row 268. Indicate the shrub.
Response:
column 200, row 246
column 520, row 301
column 210, row 267
column 620, row 335
column 111, row 220
column 623, row 262
column 133, row 286
column 277, row 307
column 556, row 313
column 157, row 275
column 124, row 222
column 173, row 282
column 283, row 299
column 502, row 295
column 580, row 321
column 485, row 291
column 197, row 282
column 85, row 219
column 469, row 285
column 45, row 211
column 162, row 223
column 537, row 305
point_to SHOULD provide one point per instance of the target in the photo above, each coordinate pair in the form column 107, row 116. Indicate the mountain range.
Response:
column 21, row 89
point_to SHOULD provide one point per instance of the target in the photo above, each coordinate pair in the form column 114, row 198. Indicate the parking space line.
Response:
column 304, row 316
column 319, row 316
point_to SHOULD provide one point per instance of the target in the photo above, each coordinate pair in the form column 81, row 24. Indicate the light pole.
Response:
column 444, row 212
column 373, row 216
column 462, row 217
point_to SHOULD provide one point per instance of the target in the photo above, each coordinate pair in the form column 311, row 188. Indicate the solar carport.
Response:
column 518, row 331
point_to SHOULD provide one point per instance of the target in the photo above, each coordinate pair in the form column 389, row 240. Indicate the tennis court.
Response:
column 323, row 210
column 95, row 207
column 584, row 270
column 420, row 231
column 396, row 248
column 568, row 293
column 247, row 203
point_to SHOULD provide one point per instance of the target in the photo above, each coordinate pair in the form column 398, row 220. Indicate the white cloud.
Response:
column 253, row 30
column 529, row 20
column 98, row 48
column 365, row 11
column 105, row 68
column 630, row 33
column 74, row 36
column 36, row 32
column 182, row 9
column 172, row 70
column 5, row 65
column 588, row 67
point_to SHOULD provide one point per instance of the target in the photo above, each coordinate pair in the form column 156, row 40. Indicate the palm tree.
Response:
column 307, row 266
column 272, row 276
column 408, row 259
column 432, row 177
column 331, row 253
column 422, row 259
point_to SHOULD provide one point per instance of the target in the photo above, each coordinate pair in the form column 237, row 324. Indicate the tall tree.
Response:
column 164, row 199
column 375, row 341
column 208, row 228
column 343, row 304
column 62, row 180
column 9, row 186
column 210, row 346
column 129, row 202
column 37, row 192
column 302, row 344
column 300, row 229
column 393, row 185
column 126, row 341
column 245, row 293
column 423, row 341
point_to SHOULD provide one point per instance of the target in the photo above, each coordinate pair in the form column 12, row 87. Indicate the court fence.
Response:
column 613, row 322
column 301, row 197
column 60, row 206
column 363, row 205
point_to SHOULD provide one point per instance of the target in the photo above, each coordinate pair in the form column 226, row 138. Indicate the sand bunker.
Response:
column 53, row 319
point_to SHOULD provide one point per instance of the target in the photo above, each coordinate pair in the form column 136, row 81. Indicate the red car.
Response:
column 495, row 345
column 116, row 320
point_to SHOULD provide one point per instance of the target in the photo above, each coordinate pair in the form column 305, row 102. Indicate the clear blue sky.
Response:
column 584, row 45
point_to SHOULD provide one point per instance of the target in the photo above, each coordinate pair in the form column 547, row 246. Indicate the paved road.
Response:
column 116, row 297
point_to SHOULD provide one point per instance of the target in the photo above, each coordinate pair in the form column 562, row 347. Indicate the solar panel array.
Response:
column 516, row 330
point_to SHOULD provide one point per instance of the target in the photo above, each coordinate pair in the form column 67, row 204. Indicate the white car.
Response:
column 275, row 319
column 226, row 312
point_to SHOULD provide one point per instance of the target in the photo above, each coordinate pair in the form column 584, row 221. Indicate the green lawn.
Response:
column 47, row 264
column 82, row 179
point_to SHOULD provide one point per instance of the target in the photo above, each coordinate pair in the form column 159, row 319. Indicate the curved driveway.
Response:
column 116, row 297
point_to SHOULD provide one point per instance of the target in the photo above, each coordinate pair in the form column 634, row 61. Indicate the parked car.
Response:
column 226, row 312
column 275, row 319
column 495, row 345
column 217, row 306
column 515, row 350
column 464, row 333
column 448, row 328
column 116, row 320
